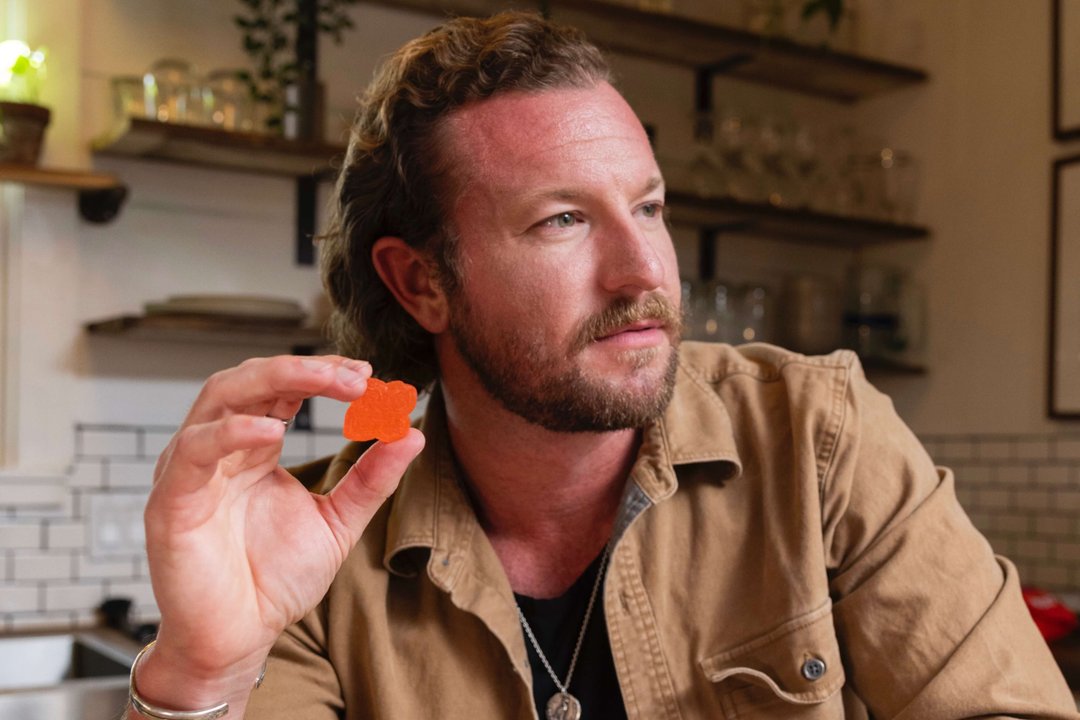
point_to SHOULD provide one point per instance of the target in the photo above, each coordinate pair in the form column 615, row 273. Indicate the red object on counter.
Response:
column 1053, row 618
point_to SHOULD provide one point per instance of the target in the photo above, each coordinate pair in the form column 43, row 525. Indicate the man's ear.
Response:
column 412, row 279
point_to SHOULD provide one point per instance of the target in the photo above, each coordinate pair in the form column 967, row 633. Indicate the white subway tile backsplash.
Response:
column 155, row 442
column 87, row 474
column 1054, row 527
column 1032, row 550
column 1067, row 448
column 66, row 543
column 32, row 494
column 90, row 442
column 973, row 475
column 40, row 565
column 1012, row 475
column 1034, row 498
column 956, row 450
column 1067, row 551
column 1033, row 449
column 73, row 596
column 1054, row 476
column 20, row 598
column 20, row 534
column 88, row 568
column 994, row 498
column 133, row 474
column 65, row 534
column 997, row 449
column 1010, row 524
column 1050, row 575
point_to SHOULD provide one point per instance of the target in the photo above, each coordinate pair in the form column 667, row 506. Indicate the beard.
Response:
column 549, row 388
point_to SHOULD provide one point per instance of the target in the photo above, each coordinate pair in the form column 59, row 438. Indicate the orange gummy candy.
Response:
column 381, row 413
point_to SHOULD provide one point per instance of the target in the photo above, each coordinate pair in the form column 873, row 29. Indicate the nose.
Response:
column 632, row 261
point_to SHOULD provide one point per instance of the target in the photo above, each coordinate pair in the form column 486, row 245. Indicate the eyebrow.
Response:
column 650, row 185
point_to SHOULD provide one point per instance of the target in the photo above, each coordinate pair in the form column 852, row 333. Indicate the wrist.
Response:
column 164, row 680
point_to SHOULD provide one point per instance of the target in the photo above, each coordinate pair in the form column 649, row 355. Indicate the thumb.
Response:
column 369, row 482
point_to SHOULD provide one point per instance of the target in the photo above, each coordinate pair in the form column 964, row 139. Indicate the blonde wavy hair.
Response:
column 396, row 181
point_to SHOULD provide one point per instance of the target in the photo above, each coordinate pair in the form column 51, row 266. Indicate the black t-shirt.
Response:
column 556, row 623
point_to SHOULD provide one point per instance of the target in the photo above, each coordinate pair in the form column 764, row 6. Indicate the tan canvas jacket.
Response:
column 786, row 549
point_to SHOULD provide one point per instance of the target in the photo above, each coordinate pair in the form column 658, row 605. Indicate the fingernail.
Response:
column 268, row 423
column 359, row 366
column 350, row 376
column 316, row 365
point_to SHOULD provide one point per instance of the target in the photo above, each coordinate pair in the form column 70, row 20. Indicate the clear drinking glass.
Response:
column 170, row 91
column 756, row 314
column 127, row 97
column 228, row 103
column 735, row 138
column 703, row 172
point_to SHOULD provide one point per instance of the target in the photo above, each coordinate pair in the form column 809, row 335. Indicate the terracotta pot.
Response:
column 22, row 129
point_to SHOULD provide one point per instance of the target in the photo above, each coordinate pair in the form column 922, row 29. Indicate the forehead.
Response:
column 524, row 136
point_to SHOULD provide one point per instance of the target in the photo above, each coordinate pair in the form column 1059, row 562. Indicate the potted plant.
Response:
column 272, row 31
column 22, row 119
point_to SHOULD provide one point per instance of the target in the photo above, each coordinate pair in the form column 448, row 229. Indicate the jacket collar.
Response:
column 431, row 510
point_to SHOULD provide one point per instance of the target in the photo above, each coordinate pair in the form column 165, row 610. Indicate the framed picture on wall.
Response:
column 1064, row 395
column 1065, row 69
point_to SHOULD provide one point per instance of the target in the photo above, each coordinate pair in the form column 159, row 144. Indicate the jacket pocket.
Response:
column 793, row 671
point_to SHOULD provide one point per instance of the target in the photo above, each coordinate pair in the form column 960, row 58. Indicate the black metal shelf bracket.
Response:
column 102, row 206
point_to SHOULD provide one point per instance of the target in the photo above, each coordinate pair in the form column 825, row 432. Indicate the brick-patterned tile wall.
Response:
column 68, row 542
column 1023, row 493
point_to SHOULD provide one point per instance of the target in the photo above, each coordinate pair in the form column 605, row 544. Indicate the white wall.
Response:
column 980, row 128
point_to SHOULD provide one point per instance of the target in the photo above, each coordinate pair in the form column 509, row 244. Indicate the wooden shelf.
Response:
column 800, row 225
column 208, row 331
column 57, row 178
column 223, row 149
column 781, row 63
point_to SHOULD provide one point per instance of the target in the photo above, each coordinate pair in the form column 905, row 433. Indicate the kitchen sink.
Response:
column 29, row 661
column 79, row 675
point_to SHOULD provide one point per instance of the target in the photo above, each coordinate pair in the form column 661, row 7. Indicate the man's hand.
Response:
column 238, row 549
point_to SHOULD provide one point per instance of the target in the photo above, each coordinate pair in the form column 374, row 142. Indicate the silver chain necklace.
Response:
column 563, row 705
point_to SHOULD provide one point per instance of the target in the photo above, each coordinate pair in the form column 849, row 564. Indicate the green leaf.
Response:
column 833, row 9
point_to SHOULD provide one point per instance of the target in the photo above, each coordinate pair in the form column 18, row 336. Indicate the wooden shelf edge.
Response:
column 797, row 224
column 222, row 149
column 698, row 43
column 207, row 331
column 58, row 178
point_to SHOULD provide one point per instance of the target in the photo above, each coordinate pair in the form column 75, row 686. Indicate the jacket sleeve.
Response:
column 300, row 682
column 931, row 623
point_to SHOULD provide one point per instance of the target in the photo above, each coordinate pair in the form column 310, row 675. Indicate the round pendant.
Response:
column 563, row 706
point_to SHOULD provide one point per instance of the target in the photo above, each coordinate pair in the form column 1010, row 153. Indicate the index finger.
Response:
column 254, row 386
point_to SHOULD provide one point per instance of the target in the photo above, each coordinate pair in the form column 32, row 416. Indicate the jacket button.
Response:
column 813, row 669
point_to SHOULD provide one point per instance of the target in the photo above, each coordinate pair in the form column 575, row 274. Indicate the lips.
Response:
column 639, row 326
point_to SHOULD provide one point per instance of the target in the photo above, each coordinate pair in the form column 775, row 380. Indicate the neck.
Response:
column 546, row 500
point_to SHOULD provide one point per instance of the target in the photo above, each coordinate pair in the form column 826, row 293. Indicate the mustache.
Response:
column 625, row 311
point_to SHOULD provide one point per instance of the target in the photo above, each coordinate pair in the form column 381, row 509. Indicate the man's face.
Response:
column 568, row 304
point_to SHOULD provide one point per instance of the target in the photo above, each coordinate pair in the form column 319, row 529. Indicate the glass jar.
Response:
column 127, row 98
column 170, row 92
column 227, row 101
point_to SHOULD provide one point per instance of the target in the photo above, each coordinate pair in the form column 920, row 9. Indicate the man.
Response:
column 601, row 523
